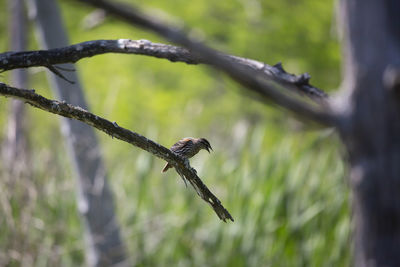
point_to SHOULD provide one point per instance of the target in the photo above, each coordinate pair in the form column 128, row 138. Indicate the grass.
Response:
column 286, row 189
column 289, row 201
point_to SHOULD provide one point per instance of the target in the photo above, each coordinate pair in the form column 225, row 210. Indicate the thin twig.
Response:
column 58, row 73
column 63, row 109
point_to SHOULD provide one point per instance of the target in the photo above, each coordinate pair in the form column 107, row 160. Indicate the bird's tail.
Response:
column 166, row 167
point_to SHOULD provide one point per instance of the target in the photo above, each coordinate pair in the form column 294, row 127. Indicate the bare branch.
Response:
column 252, row 80
column 66, row 110
column 73, row 53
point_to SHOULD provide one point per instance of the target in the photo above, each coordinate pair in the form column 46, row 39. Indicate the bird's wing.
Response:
column 181, row 145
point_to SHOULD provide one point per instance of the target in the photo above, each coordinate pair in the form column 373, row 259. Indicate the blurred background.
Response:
column 283, row 183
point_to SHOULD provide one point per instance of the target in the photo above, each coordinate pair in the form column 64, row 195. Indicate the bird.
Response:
column 188, row 147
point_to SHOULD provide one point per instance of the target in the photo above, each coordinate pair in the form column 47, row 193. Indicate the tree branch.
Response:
column 252, row 80
column 73, row 53
column 66, row 110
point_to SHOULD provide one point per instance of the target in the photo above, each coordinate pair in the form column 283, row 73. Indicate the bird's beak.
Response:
column 208, row 149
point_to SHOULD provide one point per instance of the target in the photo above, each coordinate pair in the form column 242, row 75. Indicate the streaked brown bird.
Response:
column 188, row 147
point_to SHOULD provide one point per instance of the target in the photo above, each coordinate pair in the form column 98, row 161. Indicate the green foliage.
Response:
column 284, row 187
column 289, row 202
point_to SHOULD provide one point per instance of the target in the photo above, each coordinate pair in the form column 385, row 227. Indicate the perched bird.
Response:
column 188, row 147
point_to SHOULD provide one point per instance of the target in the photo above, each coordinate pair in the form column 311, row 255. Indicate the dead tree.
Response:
column 95, row 202
column 369, row 112
column 15, row 150
column 365, row 113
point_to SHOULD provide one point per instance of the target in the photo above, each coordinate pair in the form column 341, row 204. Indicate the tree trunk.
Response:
column 15, row 148
column 95, row 202
column 370, row 127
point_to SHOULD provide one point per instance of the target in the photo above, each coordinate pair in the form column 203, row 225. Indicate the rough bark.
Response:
column 73, row 53
column 95, row 201
column 371, row 126
column 69, row 111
